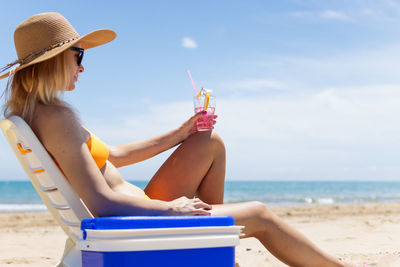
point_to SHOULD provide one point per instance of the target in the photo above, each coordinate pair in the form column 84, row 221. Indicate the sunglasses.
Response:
column 80, row 55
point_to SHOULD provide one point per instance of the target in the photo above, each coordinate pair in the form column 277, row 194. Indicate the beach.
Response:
column 361, row 234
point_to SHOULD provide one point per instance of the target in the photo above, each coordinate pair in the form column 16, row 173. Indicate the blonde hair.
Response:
column 40, row 83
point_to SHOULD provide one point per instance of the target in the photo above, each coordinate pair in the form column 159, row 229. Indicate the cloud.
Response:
column 336, row 15
column 326, row 14
column 253, row 85
column 357, row 68
column 188, row 42
column 337, row 132
column 356, row 116
column 368, row 12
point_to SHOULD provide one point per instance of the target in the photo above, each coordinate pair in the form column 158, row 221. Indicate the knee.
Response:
column 259, row 217
column 261, row 213
column 259, row 208
column 210, row 140
column 217, row 141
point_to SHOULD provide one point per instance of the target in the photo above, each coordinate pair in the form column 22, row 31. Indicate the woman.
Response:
column 186, row 184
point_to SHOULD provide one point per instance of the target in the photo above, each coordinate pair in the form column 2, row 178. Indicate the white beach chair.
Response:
column 54, row 190
column 69, row 210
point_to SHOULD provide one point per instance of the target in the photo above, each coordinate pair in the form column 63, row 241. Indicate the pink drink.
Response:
column 201, row 103
column 205, row 123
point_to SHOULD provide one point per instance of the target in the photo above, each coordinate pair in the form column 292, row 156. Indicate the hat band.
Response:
column 33, row 55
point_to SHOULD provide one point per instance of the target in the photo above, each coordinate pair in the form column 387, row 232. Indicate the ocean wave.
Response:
column 322, row 201
column 5, row 208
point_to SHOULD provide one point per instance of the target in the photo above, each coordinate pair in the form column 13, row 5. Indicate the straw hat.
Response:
column 46, row 35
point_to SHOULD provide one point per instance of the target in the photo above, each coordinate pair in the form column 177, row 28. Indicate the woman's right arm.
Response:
column 130, row 153
column 59, row 131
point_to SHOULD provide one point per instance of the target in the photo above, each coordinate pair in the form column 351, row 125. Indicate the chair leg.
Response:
column 71, row 256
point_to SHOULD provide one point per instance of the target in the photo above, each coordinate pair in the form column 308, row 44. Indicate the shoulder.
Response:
column 53, row 113
column 52, row 122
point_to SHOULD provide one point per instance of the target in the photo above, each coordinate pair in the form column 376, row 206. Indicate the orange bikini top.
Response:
column 98, row 149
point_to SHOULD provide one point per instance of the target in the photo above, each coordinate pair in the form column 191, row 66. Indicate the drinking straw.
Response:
column 194, row 87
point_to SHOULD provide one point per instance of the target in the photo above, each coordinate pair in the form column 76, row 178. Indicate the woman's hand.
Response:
column 186, row 206
column 189, row 127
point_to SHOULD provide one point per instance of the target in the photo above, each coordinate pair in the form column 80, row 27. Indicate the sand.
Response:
column 364, row 235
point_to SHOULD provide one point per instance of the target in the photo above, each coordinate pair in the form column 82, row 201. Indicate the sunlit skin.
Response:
column 190, row 182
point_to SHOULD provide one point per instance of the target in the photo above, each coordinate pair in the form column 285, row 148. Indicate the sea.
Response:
column 20, row 196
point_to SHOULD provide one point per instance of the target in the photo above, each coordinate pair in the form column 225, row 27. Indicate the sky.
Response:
column 305, row 90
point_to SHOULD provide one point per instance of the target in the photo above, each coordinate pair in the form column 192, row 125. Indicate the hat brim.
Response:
column 90, row 40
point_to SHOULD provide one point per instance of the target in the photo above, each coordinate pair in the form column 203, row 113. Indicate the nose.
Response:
column 81, row 69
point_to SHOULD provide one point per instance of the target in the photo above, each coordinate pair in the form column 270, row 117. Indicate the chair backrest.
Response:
column 51, row 185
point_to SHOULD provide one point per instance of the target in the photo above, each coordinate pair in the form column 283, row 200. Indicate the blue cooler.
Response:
column 159, row 241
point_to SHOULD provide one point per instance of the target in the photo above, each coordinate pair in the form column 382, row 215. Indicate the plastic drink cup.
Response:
column 201, row 103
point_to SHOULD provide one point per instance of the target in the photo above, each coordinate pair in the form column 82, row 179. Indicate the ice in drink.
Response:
column 205, row 123
column 204, row 101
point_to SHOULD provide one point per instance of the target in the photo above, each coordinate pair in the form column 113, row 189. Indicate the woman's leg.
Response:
column 195, row 168
column 280, row 239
